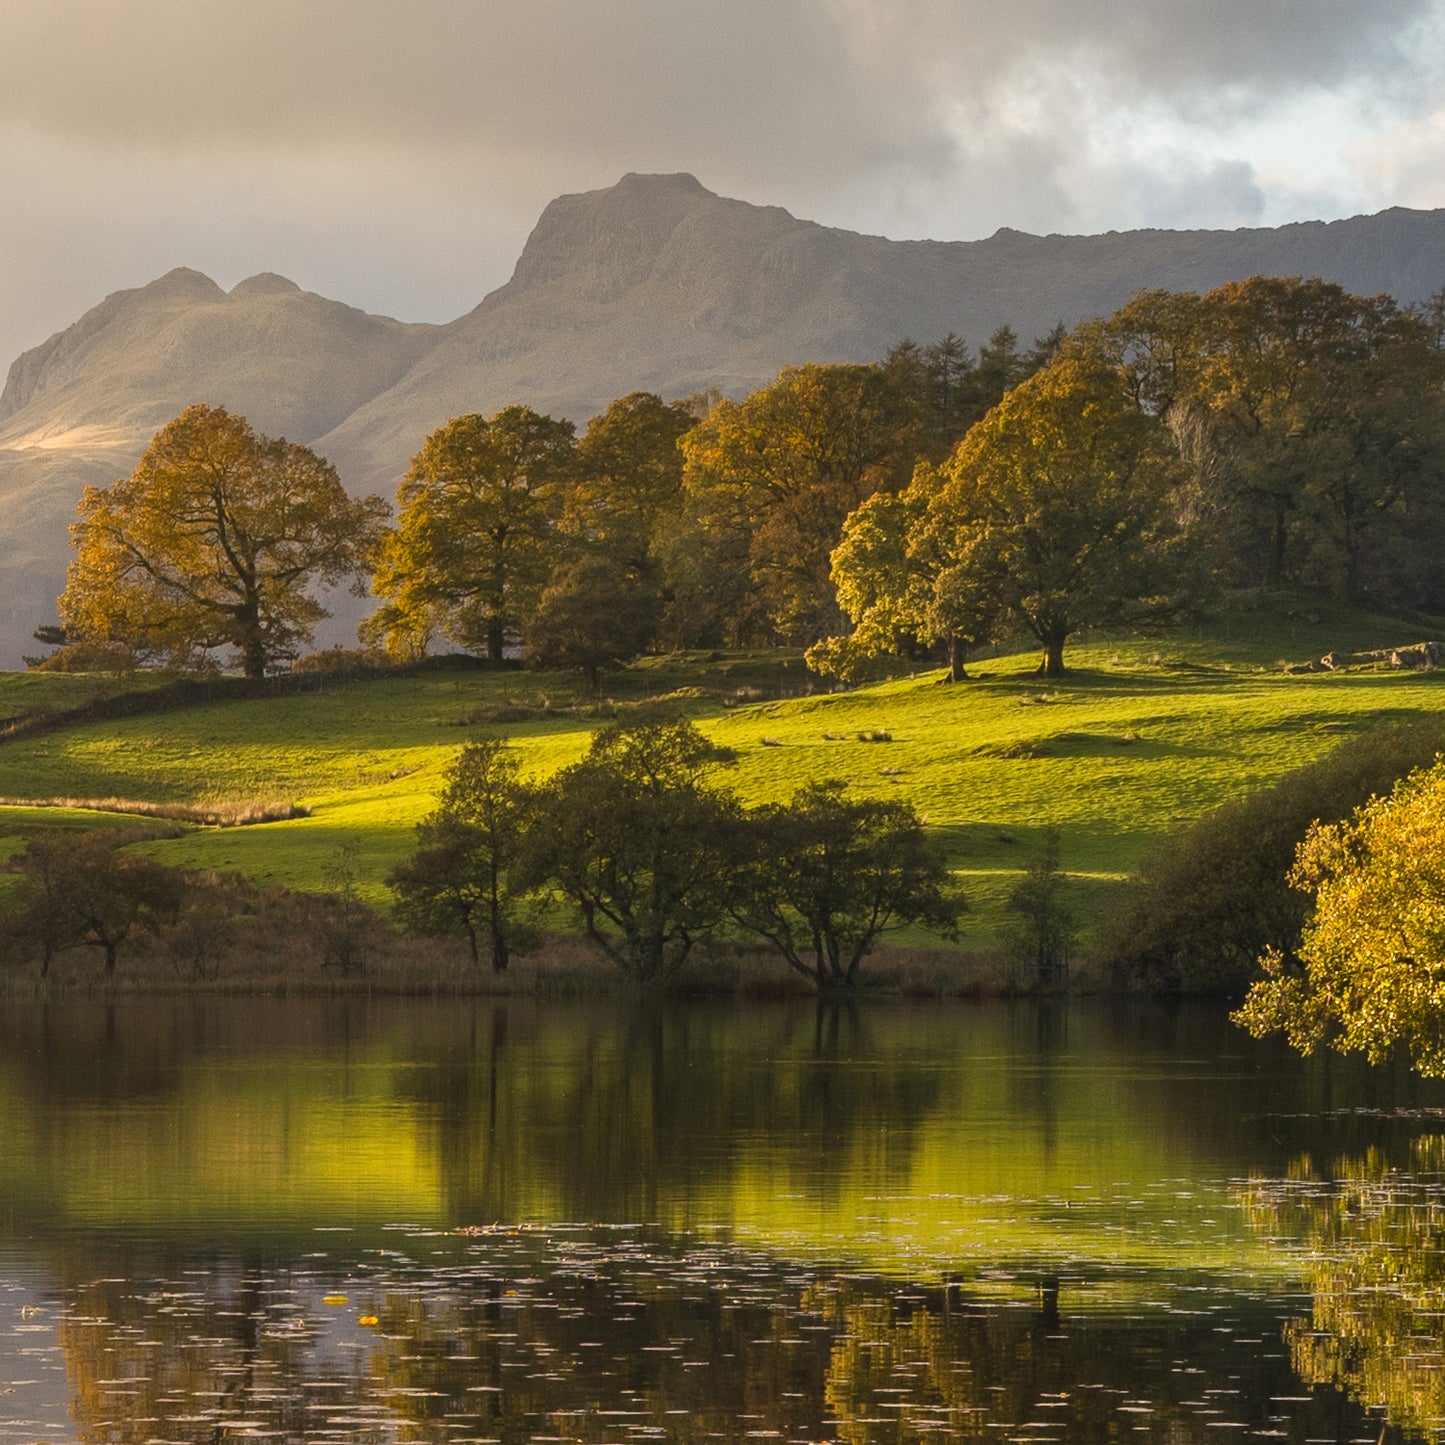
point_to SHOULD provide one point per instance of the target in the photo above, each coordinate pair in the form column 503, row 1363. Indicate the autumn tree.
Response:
column 603, row 602
column 1054, row 510
column 779, row 471
column 900, row 587
column 218, row 538
column 1372, row 959
column 628, row 475
column 476, row 534
column 463, row 876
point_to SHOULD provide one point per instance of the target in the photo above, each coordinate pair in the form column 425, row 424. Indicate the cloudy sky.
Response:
column 395, row 153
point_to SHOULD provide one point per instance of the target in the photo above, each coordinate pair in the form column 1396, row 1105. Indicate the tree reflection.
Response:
column 199, row 1352
column 611, row 1335
column 1375, row 1241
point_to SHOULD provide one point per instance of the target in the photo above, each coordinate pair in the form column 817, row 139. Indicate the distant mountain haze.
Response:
column 654, row 283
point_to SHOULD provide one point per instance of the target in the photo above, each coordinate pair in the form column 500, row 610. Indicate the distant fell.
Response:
column 655, row 283
column 658, row 283
column 295, row 363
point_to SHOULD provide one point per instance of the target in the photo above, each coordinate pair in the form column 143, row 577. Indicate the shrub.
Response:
column 1214, row 895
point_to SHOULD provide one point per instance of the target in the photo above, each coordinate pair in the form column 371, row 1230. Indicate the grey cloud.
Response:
column 394, row 154
column 524, row 80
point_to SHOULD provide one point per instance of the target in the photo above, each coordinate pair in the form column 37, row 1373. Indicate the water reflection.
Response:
column 1374, row 1231
column 522, row 1222
column 615, row 1335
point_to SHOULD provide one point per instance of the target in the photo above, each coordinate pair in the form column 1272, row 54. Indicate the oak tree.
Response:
column 217, row 538
column 476, row 534
column 629, row 474
column 1054, row 510
column 779, row 471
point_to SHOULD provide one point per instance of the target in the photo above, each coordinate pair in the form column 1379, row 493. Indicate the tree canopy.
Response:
column 1372, row 960
column 825, row 875
column 1053, row 511
column 218, row 538
column 777, row 473
column 636, row 838
column 475, row 539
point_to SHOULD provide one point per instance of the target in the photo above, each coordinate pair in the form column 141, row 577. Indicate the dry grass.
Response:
column 221, row 813
column 286, row 943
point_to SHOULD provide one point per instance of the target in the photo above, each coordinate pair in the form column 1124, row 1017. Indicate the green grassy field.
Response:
column 1141, row 736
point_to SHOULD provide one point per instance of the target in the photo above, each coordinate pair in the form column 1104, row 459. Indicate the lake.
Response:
column 515, row 1221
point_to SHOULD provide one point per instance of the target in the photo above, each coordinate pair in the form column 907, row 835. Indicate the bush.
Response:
column 1214, row 896
column 86, row 657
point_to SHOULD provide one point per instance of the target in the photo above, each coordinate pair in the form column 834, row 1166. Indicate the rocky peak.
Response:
column 266, row 283
column 607, row 240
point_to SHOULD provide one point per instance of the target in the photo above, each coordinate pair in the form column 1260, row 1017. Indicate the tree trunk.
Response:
column 1053, row 659
column 957, row 654
column 252, row 645
column 501, row 952
column 253, row 658
column 496, row 640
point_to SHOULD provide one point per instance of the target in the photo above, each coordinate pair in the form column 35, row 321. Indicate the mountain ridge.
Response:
column 654, row 283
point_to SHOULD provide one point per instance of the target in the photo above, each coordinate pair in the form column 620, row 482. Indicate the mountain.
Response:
column 653, row 283
column 79, row 409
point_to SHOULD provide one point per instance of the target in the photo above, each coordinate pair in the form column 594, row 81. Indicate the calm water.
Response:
column 512, row 1222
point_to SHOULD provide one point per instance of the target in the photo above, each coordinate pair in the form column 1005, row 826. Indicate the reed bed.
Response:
column 219, row 813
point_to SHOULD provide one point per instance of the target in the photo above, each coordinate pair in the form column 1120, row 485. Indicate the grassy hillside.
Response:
column 1141, row 736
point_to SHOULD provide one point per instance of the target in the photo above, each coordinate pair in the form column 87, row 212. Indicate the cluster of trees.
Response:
column 85, row 890
column 699, row 523
column 1273, row 430
column 654, row 854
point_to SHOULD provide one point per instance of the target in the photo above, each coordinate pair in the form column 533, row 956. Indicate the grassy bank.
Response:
column 1140, row 737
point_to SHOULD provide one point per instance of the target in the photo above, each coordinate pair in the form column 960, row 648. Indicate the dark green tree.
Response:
column 1040, row 932
column 638, row 839
column 594, row 613
column 82, row 892
column 827, row 875
column 628, row 477
column 1213, row 896
column 463, row 877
